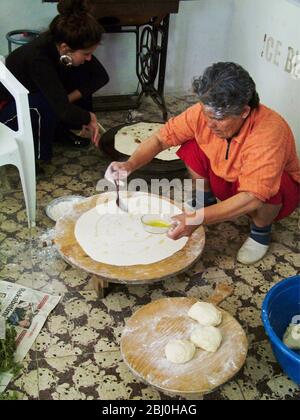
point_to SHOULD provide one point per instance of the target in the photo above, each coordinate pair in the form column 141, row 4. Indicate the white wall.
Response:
column 117, row 54
column 197, row 37
column 268, row 59
column 23, row 14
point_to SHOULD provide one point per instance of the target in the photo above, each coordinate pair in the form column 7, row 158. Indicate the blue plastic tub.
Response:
column 281, row 304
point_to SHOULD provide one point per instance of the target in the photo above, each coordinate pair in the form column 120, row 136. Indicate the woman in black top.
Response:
column 61, row 74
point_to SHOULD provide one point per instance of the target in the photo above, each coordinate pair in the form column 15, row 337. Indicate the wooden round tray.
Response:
column 71, row 251
column 107, row 144
column 150, row 328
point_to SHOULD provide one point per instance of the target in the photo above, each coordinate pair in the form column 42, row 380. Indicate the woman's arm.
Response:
column 74, row 96
column 145, row 152
column 238, row 205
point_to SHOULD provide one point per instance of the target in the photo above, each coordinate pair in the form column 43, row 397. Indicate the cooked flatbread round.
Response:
column 127, row 139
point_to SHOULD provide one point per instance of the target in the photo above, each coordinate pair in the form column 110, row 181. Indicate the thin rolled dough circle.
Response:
column 127, row 139
column 113, row 237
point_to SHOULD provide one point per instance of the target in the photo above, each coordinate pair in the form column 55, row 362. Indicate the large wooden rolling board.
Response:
column 151, row 327
column 71, row 251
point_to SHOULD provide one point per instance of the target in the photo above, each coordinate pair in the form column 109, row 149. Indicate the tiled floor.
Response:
column 77, row 354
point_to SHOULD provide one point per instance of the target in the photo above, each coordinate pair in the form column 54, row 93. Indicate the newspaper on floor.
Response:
column 27, row 309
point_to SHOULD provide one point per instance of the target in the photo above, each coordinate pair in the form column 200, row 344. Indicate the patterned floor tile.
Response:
column 25, row 385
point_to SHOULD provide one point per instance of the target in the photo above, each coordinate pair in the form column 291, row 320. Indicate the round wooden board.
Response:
column 71, row 251
column 149, row 330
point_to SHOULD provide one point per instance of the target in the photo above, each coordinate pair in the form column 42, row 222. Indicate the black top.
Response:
column 36, row 65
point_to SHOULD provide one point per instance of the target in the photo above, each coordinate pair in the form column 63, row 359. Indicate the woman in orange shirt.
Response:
column 243, row 151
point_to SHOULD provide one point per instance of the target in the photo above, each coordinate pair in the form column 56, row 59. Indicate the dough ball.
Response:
column 291, row 337
column 207, row 338
column 206, row 314
column 179, row 351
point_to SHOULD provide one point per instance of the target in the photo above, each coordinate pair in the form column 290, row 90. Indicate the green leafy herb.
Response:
column 7, row 351
column 7, row 361
column 7, row 396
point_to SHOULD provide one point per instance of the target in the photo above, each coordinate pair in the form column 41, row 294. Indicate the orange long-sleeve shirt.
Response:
column 258, row 155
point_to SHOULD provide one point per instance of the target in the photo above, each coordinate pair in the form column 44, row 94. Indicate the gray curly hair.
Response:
column 226, row 88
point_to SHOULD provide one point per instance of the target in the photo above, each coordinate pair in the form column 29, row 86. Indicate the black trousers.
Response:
column 43, row 122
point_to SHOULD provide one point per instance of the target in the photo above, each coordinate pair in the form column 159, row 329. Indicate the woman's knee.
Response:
column 265, row 215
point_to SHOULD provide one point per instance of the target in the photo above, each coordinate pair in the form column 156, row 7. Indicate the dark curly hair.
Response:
column 226, row 88
column 75, row 25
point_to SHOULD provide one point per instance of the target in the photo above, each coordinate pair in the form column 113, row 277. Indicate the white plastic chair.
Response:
column 17, row 147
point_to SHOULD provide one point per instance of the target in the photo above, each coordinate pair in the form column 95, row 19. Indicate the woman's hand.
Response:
column 117, row 171
column 93, row 129
column 185, row 224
